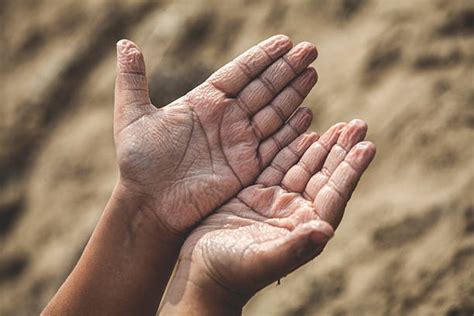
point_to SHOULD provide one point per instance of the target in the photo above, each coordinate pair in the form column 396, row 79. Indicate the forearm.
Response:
column 125, row 266
column 188, row 295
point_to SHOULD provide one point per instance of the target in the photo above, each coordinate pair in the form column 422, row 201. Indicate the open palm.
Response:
column 196, row 153
column 273, row 227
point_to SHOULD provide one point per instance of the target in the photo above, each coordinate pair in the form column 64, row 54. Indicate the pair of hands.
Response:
column 224, row 180
column 231, row 162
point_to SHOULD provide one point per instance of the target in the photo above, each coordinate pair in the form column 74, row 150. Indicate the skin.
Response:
column 179, row 163
column 271, row 228
column 216, row 139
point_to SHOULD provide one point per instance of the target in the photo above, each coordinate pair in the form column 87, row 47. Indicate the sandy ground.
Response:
column 406, row 246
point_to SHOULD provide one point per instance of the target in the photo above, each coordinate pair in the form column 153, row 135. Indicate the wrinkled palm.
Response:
column 193, row 155
column 271, row 228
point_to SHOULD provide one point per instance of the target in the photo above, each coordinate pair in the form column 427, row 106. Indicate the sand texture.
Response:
column 406, row 245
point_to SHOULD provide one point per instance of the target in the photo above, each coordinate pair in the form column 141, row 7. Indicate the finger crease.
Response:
column 277, row 167
column 244, row 107
column 284, row 187
column 293, row 129
column 247, row 205
column 342, row 147
column 306, row 195
column 298, row 92
column 270, row 58
column 323, row 146
column 351, row 166
column 133, row 121
column 305, row 167
column 296, row 154
column 325, row 172
column 244, row 68
column 334, row 188
column 278, row 112
column 268, row 85
column 257, row 130
column 285, row 59
column 277, row 143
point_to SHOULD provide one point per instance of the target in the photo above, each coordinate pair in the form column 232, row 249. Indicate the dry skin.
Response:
column 406, row 245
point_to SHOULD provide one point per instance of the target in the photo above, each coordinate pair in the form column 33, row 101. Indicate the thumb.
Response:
column 286, row 254
column 131, row 88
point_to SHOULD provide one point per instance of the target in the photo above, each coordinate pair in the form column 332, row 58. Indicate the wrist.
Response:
column 193, row 292
column 142, row 216
column 125, row 266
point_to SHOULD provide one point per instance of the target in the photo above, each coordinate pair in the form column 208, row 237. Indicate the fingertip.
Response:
column 280, row 37
column 330, row 137
column 301, row 56
column 316, row 74
column 323, row 231
column 319, row 238
column 354, row 132
column 320, row 232
column 125, row 46
column 123, row 42
column 301, row 119
column 277, row 45
column 310, row 47
column 311, row 75
column 129, row 56
column 338, row 128
column 307, row 139
column 311, row 136
column 368, row 147
column 340, row 125
column 306, row 112
column 360, row 124
column 361, row 155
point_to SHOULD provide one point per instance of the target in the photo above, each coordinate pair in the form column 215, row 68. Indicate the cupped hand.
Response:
column 193, row 155
column 285, row 219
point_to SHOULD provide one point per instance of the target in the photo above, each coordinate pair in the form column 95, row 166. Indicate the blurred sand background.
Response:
column 406, row 245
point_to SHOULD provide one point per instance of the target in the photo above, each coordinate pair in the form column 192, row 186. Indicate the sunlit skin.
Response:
column 194, row 154
column 230, row 162
column 273, row 227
